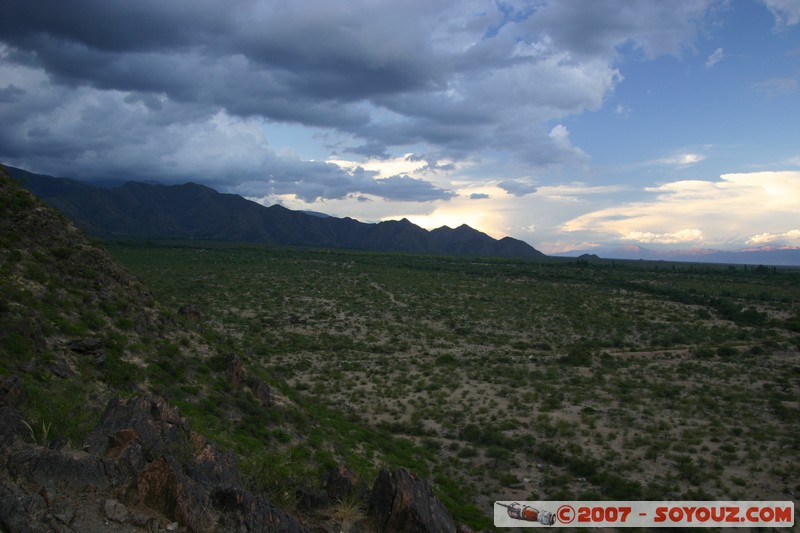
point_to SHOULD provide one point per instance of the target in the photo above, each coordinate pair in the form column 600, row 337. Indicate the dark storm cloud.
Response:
column 202, row 51
column 113, row 25
column 9, row 94
column 182, row 89
column 371, row 150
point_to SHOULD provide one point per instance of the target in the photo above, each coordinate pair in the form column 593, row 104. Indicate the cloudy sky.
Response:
column 566, row 123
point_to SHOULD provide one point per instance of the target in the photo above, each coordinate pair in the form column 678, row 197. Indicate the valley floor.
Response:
column 513, row 379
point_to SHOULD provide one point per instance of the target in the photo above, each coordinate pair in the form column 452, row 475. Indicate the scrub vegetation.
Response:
column 497, row 379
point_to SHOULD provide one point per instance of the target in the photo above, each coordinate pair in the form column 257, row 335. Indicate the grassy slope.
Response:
column 58, row 288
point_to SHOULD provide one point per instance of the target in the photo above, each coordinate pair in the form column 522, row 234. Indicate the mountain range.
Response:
column 193, row 211
column 753, row 256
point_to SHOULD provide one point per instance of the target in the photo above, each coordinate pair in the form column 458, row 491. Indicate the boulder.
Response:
column 86, row 346
column 115, row 511
column 235, row 371
column 190, row 312
column 402, row 502
column 340, row 483
column 261, row 391
column 158, row 427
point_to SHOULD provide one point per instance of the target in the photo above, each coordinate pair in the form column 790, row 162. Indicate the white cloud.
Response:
column 777, row 86
column 682, row 159
column 576, row 190
column 786, row 12
column 559, row 247
column 622, row 111
column 715, row 57
column 730, row 209
column 560, row 136
column 687, row 235
column 383, row 167
column 786, row 237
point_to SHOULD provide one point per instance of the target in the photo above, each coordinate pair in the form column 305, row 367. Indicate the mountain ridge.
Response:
column 773, row 256
column 196, row 211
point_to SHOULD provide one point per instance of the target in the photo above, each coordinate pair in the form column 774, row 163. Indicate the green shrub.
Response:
column 279, row 474
column 65, row 408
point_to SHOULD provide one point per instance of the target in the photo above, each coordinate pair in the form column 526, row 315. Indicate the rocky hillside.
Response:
column 92, row 370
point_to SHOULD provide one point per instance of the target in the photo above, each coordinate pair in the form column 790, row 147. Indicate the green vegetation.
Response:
column 493, row 378
column 496, row 379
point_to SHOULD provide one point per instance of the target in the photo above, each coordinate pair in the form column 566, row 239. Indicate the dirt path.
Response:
column 387, row 293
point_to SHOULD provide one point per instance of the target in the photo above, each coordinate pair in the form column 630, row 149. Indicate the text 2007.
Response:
column 603, row 514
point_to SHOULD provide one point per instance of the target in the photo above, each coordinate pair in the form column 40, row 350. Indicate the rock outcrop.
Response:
column 403, row 502
column 142, row 469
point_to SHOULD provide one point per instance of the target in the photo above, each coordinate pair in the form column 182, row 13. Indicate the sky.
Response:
column 569, row 124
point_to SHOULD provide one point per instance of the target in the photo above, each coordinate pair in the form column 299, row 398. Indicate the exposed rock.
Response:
column 150, row 469
column 190, row 312
column 90, row 346
column 404, row 503
column 157, row 426
column 242, row 511
column 11, row 395
column 235, row 371
column 115, row 511
column 310, row 500
column 16, row 508
column 119, row 441
column 98, row 358
column 86, row 346
column 340, row 483
column 261, row 391
column 62, row 368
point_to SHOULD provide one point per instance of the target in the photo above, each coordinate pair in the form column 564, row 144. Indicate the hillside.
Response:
column 96, row 378
column 193, row 211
